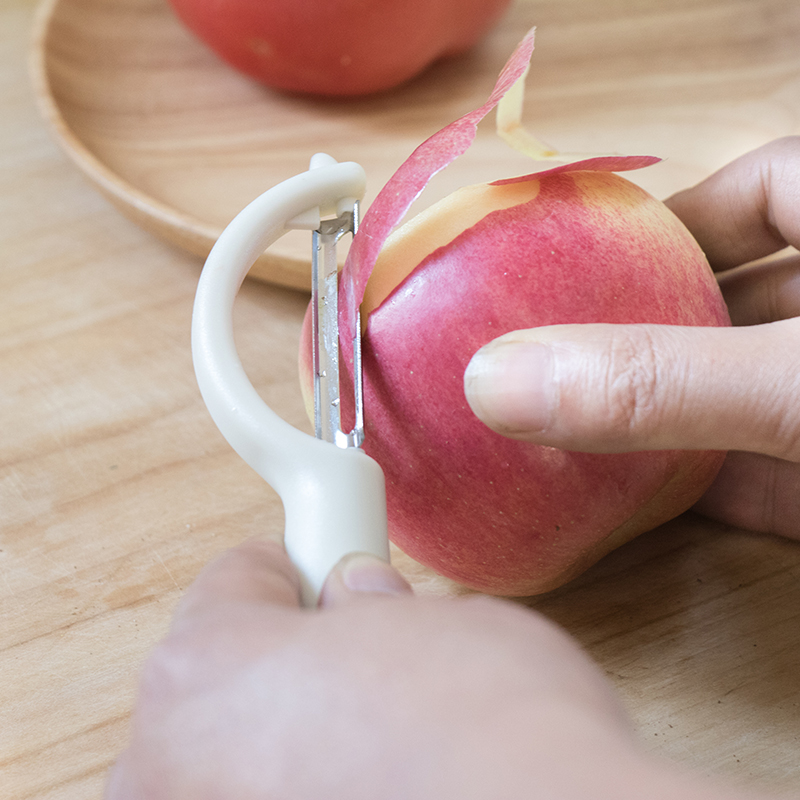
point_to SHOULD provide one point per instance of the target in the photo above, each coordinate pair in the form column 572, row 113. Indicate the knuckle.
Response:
column 633, row 400
column 775, row 386
column 785, row 439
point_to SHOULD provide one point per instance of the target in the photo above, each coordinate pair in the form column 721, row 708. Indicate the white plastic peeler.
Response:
column 333, row 493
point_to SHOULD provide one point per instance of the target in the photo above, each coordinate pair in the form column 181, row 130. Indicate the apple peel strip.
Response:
column 436, row 153
column 407, row 183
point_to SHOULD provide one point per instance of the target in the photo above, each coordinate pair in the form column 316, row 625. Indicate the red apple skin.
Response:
column 337, row 47
column 502, row 516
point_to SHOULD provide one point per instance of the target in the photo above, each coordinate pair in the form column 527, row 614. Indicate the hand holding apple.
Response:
column 615, row 388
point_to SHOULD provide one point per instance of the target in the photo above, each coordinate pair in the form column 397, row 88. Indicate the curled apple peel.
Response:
column 572, row 244
column 407, row 183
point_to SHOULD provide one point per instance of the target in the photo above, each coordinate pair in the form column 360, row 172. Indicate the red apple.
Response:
column 337, row 47
column 571, row 245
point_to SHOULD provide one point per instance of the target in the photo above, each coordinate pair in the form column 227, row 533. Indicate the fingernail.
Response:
column 364, row 573
column 509, row 386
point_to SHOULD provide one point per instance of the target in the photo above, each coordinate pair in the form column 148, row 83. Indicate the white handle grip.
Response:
column 334, row 499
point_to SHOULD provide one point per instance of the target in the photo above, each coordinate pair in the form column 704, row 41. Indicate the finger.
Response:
column 764, row 292
column 748, row 209
column 620, row 388
column 756, row 492
column 258, row 571
column 360, row 575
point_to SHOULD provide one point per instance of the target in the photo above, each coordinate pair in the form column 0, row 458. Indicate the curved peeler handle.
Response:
column 334, row 498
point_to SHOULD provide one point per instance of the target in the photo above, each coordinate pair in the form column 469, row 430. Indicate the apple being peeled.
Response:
column 574, row 244
column 503, row 516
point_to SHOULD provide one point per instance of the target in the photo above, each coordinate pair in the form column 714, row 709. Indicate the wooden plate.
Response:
column 180, row 142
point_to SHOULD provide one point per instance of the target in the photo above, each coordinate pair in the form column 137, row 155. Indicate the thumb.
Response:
column 617, row 388
column 358, row 575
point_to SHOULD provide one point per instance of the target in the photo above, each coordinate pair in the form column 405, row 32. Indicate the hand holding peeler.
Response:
column 333, row 493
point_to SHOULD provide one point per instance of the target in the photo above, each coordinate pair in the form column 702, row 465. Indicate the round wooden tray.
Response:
column 180, row 142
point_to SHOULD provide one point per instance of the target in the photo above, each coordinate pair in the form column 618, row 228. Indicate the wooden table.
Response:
column 116, row 488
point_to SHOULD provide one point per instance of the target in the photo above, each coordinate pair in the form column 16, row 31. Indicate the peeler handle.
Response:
column 334, row 498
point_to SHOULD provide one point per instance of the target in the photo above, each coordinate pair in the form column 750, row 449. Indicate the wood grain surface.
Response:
column 116, row 488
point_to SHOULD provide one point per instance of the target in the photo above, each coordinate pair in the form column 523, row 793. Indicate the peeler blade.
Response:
column 325, row 336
